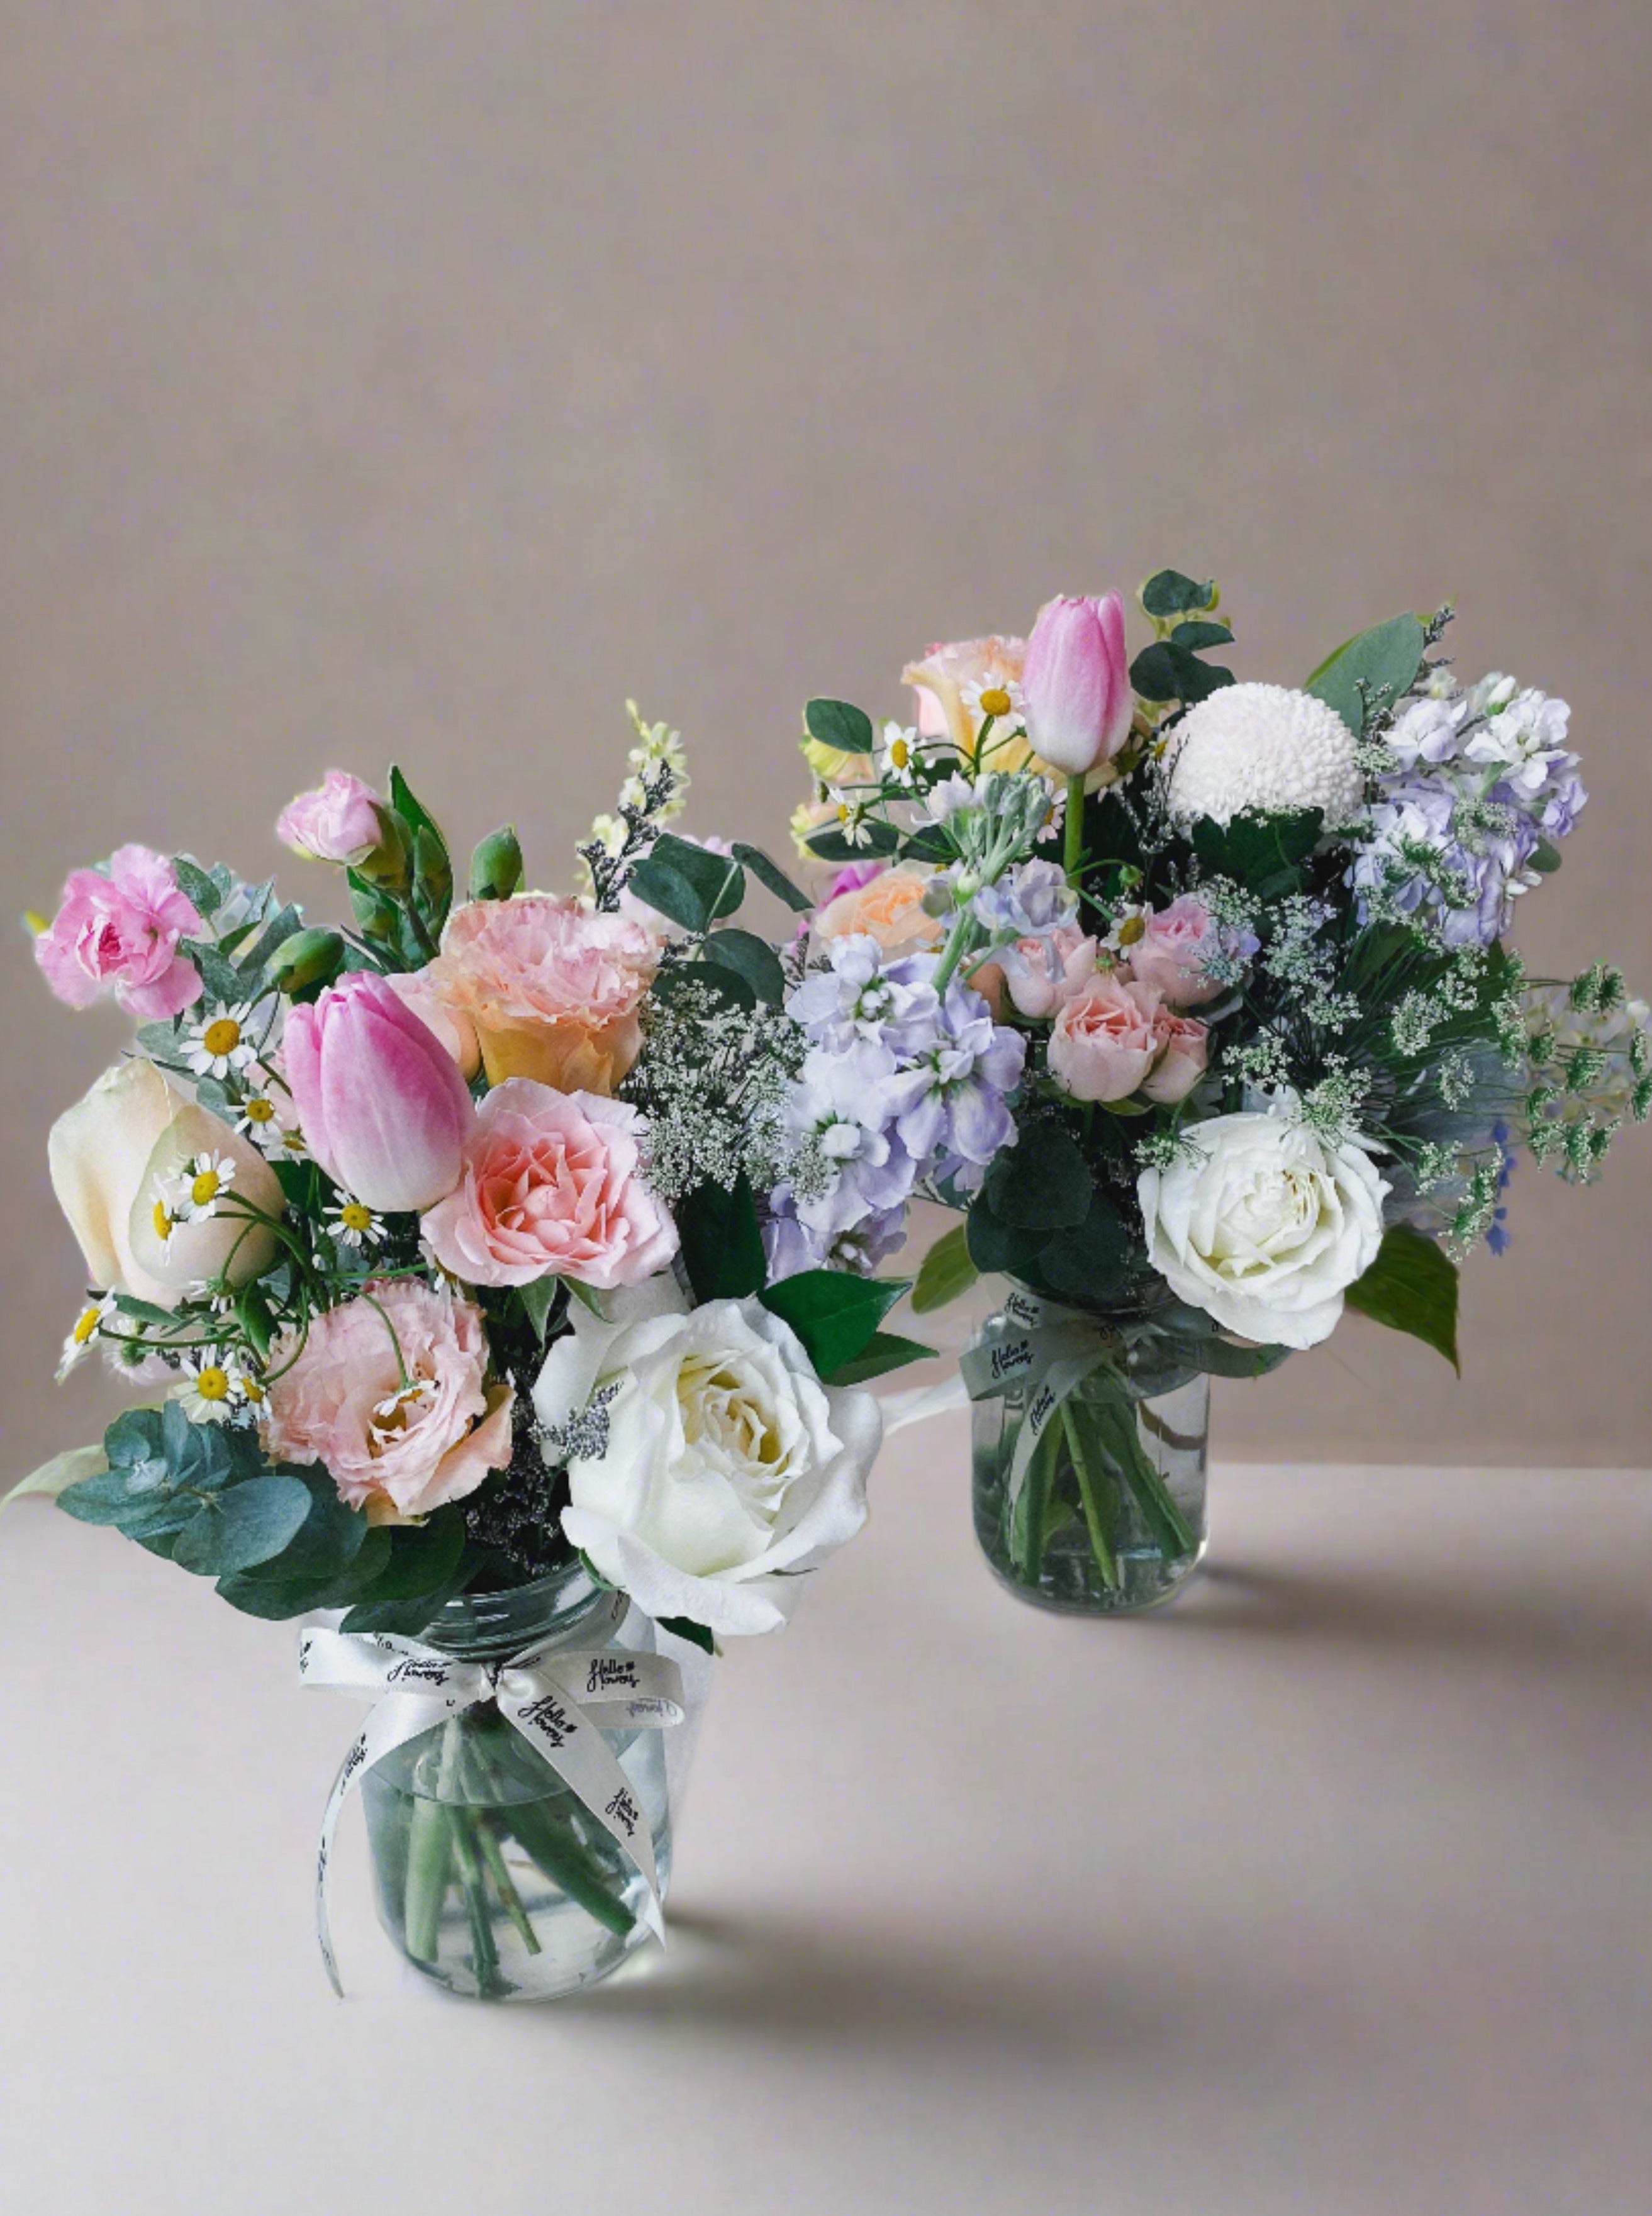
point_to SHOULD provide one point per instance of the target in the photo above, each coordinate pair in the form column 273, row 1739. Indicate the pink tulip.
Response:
column 379, row 1099
column 118, row 932
column 1076, row 683
column 337, row 823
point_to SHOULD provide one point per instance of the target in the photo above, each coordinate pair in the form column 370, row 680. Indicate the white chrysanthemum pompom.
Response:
column 1265, row 748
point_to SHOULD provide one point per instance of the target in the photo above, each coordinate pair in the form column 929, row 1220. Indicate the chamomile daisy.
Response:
column 199, row 1188
column 219, row 1045
column 213, row 1385
column 261, row 1120
column 352, row 1223
column 898, row 757
column 994, row 695
column 84, row 1333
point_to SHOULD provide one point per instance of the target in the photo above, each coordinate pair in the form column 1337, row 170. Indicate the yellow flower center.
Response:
column 205, row 1188
column 995, row 701
column 163, row 1221
column 1131, row 930
column 293, row 1142
column 900, row 754
column 354, row 1217
column 843, row 811
column 222, row 1036
column 260, row 1110
column 85, row 1325
column 214, row 1383
column 253, row 1389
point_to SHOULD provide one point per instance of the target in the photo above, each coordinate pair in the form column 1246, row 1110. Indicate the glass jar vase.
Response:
column 491, row 1876
column 1089, row 1462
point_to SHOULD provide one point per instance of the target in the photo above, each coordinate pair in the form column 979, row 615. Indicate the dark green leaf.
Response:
column 407, row 1618
column 413, row 812
column 696, row 1635
column 538, row 1298
column 195, row 885
column 1168, row 593
column 665, row 889
column 1040, row 1184
column 248, row 1523
column 1387, row 658
column 284, row 924
column 871, row 841
column 771, row 878
column 1085, row 1264
column 751, row 959
column 722, row 1245
column 276, row 1593
column 1196, row 636
column 883, row 1351
column 946, row 1271
column 432, row 877
column 157, row 1523
column 1412, row 1286
column 1167, row 672
column 1264, row 854
column 833, row 1313
column 839, row 723
column 223, row 981
column 1545, row 857
column 423, row 1558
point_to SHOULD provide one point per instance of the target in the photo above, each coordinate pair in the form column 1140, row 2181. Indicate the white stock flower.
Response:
column 1265, row 748
column 1265, row 1227
column 728, row 1468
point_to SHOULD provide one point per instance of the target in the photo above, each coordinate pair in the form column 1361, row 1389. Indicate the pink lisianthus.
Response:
column 338, row 821
column 552, row 988
column 380, row 1101
column 551, row 1185
column 392, row 1399
column 1106, row 1038
column 1171, row 950
column 1184, row 1051
column 118, row 933
column 850, row 879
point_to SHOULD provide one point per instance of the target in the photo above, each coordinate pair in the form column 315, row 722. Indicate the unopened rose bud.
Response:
column 309, row 958
column 391, row 862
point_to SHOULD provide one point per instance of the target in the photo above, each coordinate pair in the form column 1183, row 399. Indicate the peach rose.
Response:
column 1106, row 1038
column 551, row 988
column 552, row 1184
column 390, row 1398
column 940, row 678
column 1184, row 1050
column 889, row 910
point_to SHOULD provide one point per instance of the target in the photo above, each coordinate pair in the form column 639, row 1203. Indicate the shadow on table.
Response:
column 868, row 1989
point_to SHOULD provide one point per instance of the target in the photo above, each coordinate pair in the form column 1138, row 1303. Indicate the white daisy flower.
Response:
column 996, row 696
column 853, row 820
column 352, row 1223
column 898, row 757
column 218, row 1045
column 84, row 1334
column 196, row 1190
column 1128, row 923
column 263, row 1120
column 213, row 1387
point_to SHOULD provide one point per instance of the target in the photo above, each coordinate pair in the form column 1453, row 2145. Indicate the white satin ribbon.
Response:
column 544, row 1693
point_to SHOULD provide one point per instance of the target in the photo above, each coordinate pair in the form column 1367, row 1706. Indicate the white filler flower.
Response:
column 1265, row 748
column 727, row 1468
column 1265, row 1227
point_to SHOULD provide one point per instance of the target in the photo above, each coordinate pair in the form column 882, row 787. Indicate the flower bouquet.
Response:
column 435, row 1239
column 1195, row 996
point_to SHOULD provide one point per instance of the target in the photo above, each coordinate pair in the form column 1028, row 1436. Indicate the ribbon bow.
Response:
column 544, row 1692
column 1055, row 1351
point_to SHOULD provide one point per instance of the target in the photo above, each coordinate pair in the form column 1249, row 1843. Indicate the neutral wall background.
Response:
column 422, row 379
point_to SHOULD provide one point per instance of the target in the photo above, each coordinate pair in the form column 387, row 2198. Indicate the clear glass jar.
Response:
column 1108, row 1516
column 491, row 1876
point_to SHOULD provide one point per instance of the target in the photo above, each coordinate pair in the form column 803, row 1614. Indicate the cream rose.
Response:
column 1265, row 1228
column 728, row 1468
column 111, row 1156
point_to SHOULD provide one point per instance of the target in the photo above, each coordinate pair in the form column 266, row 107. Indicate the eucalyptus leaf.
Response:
column 1386, row 659
column 946, row 1273
column 1170, row 592
column 839, row 724
column 249, row 1522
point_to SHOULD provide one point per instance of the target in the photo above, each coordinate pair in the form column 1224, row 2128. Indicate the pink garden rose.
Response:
column 379, row 1099
column 1184, row 1050
column 337, row 823
column 118, row 933
column 1171, row 953
column 1027, row 967
column 552, row 1184
column 451, row 1026
column 1106, row 1038
column 395, row 1447
column 888, row 908
column 551, row 988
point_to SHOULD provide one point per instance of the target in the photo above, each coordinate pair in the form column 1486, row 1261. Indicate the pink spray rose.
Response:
column 1076, row 683
column 379, row 1099
column 1106, row 1038
column 1028, row 966
column 551, row 1183
column 392, row 1401
column 552, row 986
column 337, row 823
column 120, row 934
column 451, row 1026
column 1184, row 1050
column 1171, row 950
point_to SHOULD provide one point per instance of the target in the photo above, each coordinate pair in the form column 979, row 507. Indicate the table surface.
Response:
column 1325, row 1890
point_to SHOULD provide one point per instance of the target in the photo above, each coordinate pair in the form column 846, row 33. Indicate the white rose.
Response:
column 727, row 1461
column 1265, row 1228
column 107, row 1155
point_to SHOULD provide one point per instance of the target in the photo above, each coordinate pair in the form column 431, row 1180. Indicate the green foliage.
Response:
column 1385, row 660
column 1169, row 671
column 833, row 1314
column 696, row 1635
column 1080, row 1263
column 722, row 1245
column 688, row 884
column 1041, row 1183
column 196, row 885
column 871, row 841
column 1263, row 853
column 751, row 959
column 538, row 1298
column 946, row 1271
column 1412, row 1286
column 1170, row 592
column 244, row 1525
column 839, row 724
column 770, row 876
column 883, row 1351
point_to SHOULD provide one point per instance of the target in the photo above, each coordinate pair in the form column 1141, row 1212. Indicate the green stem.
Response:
column 484, row 1954
column 1040, row 1468
column 430, row 1855
column 1106, row 1560
column 957, row 945
column 487, row 1783
column 1073, row 852
column 549, row 1841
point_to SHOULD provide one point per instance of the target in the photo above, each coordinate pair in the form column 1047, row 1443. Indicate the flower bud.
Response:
column 1076, row 683
column 390, row 864
column 496, row 865
column 309, row 958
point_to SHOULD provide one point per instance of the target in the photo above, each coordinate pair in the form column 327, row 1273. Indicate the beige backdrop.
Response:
column 422, row 379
